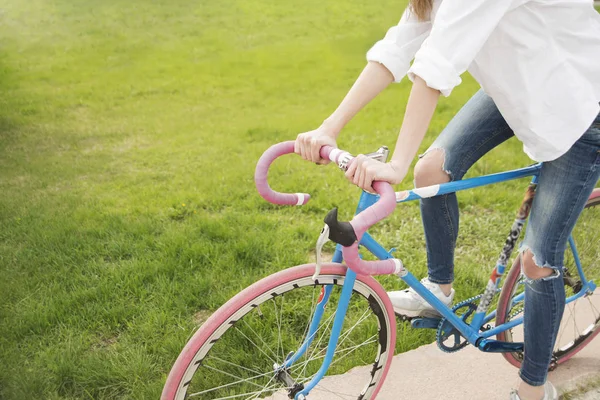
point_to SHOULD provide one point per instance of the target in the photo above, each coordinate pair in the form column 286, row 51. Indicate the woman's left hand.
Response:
column 364, row 170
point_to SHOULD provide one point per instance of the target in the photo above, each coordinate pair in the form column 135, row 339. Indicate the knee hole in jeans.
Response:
column 532, row 270
column 430, row 169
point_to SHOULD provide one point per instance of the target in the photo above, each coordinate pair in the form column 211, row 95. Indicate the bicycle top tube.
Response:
column 470, row 183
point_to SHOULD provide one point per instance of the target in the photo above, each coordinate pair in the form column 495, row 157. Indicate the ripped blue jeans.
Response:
column 563, row 187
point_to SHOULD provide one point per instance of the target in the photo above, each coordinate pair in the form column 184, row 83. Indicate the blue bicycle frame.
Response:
column 470, row 331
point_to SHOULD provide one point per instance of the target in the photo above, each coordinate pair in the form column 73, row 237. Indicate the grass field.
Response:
column 129, row 133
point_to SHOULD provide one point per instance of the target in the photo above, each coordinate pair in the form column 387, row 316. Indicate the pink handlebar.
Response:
column 361, row 222
column 262, row 170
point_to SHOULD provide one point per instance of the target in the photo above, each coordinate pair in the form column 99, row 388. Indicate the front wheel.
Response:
column 232, row 356
column 581, row 319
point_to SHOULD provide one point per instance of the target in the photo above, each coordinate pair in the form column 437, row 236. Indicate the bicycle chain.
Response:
column 516, row 310
column 519, row 311
column 438, row 336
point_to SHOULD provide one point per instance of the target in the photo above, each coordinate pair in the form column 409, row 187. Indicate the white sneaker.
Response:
column 550, row 393
column 409, row 304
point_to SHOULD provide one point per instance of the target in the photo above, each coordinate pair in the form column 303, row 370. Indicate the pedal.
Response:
column 403, row 318
column 425, row 323
column 496, row 346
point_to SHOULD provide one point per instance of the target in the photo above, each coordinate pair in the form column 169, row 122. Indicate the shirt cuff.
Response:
column 437, row 72
column 389, row 58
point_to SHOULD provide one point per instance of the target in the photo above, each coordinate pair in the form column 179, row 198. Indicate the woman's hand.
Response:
column 308, row 144
column 364, row 170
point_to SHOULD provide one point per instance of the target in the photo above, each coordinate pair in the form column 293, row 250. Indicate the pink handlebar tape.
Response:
column 361, row 222
column 262, row 171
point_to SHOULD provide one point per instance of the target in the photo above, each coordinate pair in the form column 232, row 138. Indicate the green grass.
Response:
column 582, row 388
column 129, row 133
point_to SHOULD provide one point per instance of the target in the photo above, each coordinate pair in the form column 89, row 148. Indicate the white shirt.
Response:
column 539, row 60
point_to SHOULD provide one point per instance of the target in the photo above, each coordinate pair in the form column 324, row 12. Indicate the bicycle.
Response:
column 277, row 338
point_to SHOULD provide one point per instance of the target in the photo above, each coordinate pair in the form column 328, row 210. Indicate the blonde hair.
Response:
column 421, row 8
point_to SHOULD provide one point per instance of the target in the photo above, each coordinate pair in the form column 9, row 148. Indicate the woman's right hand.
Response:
column 308, row 144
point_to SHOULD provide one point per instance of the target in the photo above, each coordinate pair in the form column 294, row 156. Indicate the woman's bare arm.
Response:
column 373, row 79
column 419, row 111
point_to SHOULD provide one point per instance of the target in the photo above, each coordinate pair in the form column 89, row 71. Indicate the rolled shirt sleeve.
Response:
column 460, row 30
column 397, row 49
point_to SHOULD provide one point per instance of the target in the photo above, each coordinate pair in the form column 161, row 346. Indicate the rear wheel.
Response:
column 581, row 319
column 232, row 355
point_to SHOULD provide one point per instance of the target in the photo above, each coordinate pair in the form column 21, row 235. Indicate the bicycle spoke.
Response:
column 278, row 321
column 266, row 345
column 310, row 316
column 232, row 396
column 576, row 331
column 345, row 351
column 593, row 308
column 322, row 325
column 346, row 334
column 562, row 329
column 241, row 380
column 370, row 340
column 338, row 394
column 266, row 389
column 230, row 363
column 329, row 322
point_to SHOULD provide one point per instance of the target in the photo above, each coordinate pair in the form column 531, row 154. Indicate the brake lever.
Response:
column 323, row 238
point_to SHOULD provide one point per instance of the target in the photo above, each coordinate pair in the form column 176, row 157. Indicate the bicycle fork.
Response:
column 299, row 391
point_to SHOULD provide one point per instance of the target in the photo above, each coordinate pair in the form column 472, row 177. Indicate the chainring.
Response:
column 447, row 331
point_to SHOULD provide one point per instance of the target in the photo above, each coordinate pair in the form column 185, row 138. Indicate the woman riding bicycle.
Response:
column 538, row 63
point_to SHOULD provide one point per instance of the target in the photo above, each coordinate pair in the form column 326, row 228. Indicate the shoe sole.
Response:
column 407, row 314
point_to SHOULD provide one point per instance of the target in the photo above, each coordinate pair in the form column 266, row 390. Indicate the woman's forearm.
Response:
column 373, row 79
column 419, row 111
